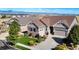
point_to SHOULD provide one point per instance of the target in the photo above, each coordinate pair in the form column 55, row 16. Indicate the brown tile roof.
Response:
column 25, row 20
column 45, row 20
column 38, row 23
column 51, row 20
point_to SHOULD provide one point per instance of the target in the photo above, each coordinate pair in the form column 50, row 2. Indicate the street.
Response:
column 5, row 46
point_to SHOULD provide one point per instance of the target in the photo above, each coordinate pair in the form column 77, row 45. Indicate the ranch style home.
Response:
column 57, row 26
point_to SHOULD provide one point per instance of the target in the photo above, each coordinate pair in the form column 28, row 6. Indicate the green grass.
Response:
column 25, row 40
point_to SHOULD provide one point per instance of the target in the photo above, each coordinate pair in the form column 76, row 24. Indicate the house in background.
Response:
column 57, row 26
column 3, row 23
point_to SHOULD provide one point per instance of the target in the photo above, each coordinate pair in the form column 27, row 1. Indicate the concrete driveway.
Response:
column 47, row 44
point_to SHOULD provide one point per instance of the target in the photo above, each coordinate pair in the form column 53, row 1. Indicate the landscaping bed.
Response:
column 26, row 40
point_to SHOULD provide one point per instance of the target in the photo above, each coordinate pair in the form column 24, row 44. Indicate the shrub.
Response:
column 38, row 41
column 37, row 36
column 31, row 42
column 74, row 34
column 44, row 37
column 25, row 33
column 12, row 38
column 30, row 34
column 61, row 47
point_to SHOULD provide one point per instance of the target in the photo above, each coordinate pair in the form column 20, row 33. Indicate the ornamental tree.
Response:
column 74, row 34
column 14, row 28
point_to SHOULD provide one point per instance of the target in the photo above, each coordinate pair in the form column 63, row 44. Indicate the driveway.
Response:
column 47, row 44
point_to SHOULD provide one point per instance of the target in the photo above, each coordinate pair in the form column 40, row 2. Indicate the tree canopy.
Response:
column 14, row 28
column 74, row 34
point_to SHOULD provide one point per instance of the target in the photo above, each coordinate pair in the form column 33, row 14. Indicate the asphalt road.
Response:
column 5, row 46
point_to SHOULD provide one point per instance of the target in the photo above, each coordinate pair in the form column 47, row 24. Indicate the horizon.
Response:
column 44, row 10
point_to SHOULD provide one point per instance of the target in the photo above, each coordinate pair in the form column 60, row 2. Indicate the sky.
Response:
column 46, row 10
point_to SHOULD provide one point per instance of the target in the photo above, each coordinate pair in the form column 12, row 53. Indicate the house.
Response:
column 57, row 26
column 77, row 17
column 36, row 27
column 28, row 23
column 3, row 24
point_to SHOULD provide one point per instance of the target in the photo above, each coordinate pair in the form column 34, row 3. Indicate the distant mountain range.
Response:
column 21, row 12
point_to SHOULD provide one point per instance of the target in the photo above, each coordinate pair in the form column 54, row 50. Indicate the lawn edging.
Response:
column 25, row 46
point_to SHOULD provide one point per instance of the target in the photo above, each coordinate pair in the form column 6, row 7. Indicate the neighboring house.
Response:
column 77, row 17
column 3, row 27
column 36, row 27
column 22, row 20
column 58, row 26
column 3, row 24
column 29, row 23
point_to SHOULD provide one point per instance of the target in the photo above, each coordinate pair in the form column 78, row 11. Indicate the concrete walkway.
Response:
column 47, row 44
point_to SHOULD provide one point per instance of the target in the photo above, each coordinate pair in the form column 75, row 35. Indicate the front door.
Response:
column 51, row 30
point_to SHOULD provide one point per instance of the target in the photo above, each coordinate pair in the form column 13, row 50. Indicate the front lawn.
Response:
column 26, row 40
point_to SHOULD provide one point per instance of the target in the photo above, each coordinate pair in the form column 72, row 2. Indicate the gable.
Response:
column 61, row 25
column 32, row 25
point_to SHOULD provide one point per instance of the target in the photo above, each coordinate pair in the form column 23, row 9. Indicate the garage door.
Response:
column 60, row 33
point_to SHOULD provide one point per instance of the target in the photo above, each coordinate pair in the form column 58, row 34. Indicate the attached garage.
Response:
column 60, row 33
column 60, row 29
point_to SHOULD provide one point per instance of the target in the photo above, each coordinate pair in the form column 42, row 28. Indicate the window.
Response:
column 30, row 29
column 60, row 29
column 34, row 30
